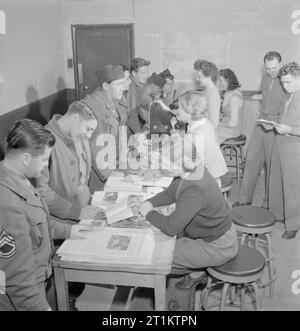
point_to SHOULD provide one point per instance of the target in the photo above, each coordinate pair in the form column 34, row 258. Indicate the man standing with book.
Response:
column 262, row 140
column 285, row 171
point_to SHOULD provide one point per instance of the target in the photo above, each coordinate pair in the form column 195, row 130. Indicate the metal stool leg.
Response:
column 206, row 292
column 223, row 299
column 269, row 261
column 243, row 298
column 258, row 299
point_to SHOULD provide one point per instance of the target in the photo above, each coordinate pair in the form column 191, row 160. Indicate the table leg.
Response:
column 61, row 287
column 160, row 292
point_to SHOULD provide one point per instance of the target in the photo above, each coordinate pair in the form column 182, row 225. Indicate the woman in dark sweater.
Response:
column 201, row 213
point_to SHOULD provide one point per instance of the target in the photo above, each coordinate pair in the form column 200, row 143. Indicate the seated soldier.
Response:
column 64, row 183
column 26, row 229
column 104, row 102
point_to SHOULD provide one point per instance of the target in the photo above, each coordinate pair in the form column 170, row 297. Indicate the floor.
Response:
column 287, row 261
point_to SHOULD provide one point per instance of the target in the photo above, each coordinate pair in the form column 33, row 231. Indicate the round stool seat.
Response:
column 252, row 217
column 240, row 140
column 248, row 262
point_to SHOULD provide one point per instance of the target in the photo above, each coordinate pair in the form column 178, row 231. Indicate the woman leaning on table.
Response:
column 201, row 214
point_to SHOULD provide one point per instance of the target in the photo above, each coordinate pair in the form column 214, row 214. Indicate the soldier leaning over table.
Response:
column 26, row 229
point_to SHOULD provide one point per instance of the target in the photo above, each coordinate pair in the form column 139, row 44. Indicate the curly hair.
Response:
column 231, row 79
column 194, row 103
column 208, row 69
column 291, row 68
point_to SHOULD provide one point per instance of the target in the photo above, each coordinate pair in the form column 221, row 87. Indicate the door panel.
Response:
column 95, row 46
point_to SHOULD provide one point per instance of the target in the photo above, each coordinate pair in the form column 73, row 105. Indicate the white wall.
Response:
column 31, row 58
column 174, row 33
column 170, row 33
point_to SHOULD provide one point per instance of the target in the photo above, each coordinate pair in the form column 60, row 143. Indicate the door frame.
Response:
column 74, row 32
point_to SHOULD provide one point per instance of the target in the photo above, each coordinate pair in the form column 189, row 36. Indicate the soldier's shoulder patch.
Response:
column 7, row 245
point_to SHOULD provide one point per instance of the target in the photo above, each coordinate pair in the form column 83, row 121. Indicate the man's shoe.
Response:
column 189, row 282
column 72, row 302
column 289, row 234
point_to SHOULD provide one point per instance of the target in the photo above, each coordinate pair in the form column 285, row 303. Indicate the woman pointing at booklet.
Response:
column 201, row 214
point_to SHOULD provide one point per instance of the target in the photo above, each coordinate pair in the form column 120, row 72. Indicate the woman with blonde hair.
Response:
column 192, row 110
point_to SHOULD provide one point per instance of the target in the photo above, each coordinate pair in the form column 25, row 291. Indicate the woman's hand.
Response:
column 145, row 208
column 135, row 204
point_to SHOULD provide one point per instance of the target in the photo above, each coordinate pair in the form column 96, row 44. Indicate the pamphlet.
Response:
column 267, row 122
column 111, row 246
column 267, row 125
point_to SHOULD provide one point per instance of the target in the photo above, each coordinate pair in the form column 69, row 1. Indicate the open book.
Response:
column 111, row 246
column 115, row 205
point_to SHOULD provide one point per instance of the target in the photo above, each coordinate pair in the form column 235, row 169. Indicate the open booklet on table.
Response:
column 121, row 188
column 111, row 245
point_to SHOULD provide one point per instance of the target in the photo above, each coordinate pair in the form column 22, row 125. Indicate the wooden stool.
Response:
column 235, row 147
column 243, row 272
column 254, row 221
column 226, row 184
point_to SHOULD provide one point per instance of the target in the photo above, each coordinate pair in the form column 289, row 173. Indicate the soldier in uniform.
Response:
column 104, row 102
column 138, row 98
column 26, row 231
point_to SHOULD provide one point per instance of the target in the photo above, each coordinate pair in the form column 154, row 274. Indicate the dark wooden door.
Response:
column 95, row 46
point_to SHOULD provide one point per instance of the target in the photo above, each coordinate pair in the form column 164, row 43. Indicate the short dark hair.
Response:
column 208, row 69
column 291, row 68
column 82, row 109
column 271, row 56
column 137, row 63
column 231, row 79
column 28, row 135
column 124, row 67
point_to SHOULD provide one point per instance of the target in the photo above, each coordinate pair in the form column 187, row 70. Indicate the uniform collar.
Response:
column 56, row 129
column 20, row 185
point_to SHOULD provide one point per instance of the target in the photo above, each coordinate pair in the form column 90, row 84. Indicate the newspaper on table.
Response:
column 111, row 246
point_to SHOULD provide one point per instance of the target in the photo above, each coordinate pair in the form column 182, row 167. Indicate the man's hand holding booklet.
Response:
column 282, row 129
column 267, row 125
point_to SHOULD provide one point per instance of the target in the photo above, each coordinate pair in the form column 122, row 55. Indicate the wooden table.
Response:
column 153, row 275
